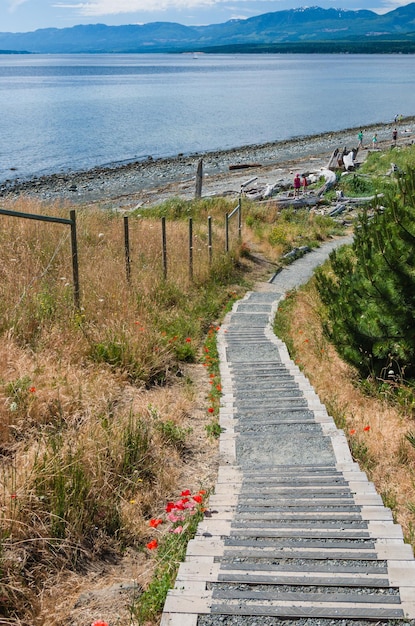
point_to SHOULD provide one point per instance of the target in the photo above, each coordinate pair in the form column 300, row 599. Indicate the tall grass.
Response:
column 95, row 406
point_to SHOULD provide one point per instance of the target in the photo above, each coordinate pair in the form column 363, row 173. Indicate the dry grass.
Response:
column 374, row 427
column 97, row 407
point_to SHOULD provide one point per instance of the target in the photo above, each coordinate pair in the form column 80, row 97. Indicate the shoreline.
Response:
column 145, row 182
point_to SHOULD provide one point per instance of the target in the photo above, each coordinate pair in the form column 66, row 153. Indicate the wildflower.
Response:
column 188, row 340
column 211, row 375
column 172, row 517
column 211, row 409
column 152, row 545
column 186, row 492
column 198, row 499
column 155, row 522
column 366, row 428
column 32, row 389
column 99, row 622
column 352, row 431
column 177, row 530
column 13, row 496
column 202, row 492
column 169, row 507
column 132, row 501
column 219, row 387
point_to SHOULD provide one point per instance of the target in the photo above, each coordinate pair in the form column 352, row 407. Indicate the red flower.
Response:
column 99, row 623
column 32, row 389
column 366, row 428
column 219, row 387
column 155, row 522
column 202, row 492
column 211, row 409
column 186, row 492
column 198, row 499
column 152, row 545
column 169, row 507
column 188, row 340
column 352, row 431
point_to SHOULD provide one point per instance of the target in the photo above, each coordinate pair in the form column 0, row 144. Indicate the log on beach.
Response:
column 243, row 166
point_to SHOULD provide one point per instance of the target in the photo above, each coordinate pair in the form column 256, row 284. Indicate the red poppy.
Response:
column 219, row 387
column 202, row 492
column 32, row 389
column 366, row 428
column 352, row 431
column 211, row 409
column 198, row 499
column 155, row 522
column 99, row 623
column 152, row 545
column 186, row 492
column 169, row 507
column 188, row 340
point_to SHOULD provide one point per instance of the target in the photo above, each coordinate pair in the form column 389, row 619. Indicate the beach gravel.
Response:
column 143, row 183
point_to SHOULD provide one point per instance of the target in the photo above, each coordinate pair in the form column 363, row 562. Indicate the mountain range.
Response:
column 302, row 29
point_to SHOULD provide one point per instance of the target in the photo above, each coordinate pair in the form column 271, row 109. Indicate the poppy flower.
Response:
column 177, row 530
column 152, row 545
column 169, row 507
column 155, row 522
column 198, row 499
column 211, row 409
column 188, row 340
column 32, row 389
column 366, row 428
column 99, row 623
column 352, row 431
column 202, row 492
column 186, row 492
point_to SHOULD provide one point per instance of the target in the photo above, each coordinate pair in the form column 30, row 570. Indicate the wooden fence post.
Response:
column 199, row 179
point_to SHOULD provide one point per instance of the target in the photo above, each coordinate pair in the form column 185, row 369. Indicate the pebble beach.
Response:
column 145, row 183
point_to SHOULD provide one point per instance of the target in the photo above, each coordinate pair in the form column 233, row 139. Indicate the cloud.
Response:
column 114, row 7
column 14, row 4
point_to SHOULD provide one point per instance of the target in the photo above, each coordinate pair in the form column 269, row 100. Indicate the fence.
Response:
column 127, row 249
column 74, row 245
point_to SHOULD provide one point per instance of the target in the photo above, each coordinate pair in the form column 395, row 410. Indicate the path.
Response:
column 295, row 530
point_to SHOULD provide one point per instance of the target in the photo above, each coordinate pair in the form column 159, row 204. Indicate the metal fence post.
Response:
column 240, row 219
column 210, row 239
column 226, row 233
column 164, row 245
column 127, row 248
column 190, row 248
column 75, row 267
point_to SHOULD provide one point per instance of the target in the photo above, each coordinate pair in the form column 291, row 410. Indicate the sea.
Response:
column 62, row 113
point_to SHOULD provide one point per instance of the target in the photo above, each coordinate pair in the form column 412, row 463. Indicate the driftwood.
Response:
column 243, row 166
column 298, row 202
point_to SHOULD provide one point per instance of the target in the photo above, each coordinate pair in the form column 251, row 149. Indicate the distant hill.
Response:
column 305, row 27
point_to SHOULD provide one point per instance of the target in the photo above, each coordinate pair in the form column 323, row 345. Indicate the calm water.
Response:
column 61, row 112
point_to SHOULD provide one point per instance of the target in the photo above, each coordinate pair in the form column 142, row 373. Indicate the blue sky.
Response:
column 29, row 15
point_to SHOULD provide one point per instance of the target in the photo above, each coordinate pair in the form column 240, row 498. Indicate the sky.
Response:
column 30, row 15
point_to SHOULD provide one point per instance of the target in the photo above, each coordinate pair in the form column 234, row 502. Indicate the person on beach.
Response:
column 374, row 140
column 360, row 138
column 395, row 136
column 297, row 184
column 304, row 183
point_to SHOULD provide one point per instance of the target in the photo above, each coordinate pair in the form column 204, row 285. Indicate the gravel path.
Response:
column 294, row 532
